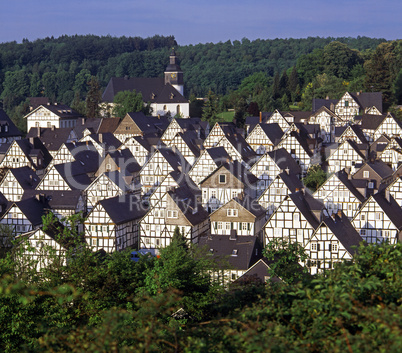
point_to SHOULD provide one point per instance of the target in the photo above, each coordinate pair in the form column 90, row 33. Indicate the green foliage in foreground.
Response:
column 106, row 304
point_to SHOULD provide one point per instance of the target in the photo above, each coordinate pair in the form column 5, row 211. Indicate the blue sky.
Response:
column 202, row 21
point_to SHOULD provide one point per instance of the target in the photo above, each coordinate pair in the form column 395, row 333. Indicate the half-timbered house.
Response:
column 347, row 155
column 295, row 220
column 188, row 144
column 233, row 255
column 226, row 182
column 334, row 241
column 16, row 181
column 209, row 160
column 178, row 207
column 379, row 219
column 240, row 216
column 339, row 192
column 270, row 165
column 112, row 225
column 27, row 152
column 264, row 137
column 218, row 131
column 282, row 185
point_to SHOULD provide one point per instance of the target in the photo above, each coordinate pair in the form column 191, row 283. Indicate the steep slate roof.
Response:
column 108, row 125
column 12, row 129
column 124, row 208
column 371, row 122
column 56, row 199
column 306, row 205
column 237, row 170
column 107, row 139
column 153, row 90
column 349, row 183
column 291, row 181
column 391, row 208
column 52, row 138
column 368, row 99
column 92, row 124
column 284, row 160
column 221, row 247
column 251, row 205
column 218, row 154
column 32, row 145
column 273, row 132
column 74, row 175
column 33, row 209
column 192, row 141
column 297, row 116
column 240, row 144
column 259, row 271
column 320, row 102
column 26, row 177
column 341, row 227
column 187, row 199
column 149, row 124
column 175, row 160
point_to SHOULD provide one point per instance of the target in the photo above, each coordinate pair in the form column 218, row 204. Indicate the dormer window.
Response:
column 153, row 95
column 171, row 95
column 234, row 252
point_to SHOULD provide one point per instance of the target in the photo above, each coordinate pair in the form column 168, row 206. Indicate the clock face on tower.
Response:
column 173, row 75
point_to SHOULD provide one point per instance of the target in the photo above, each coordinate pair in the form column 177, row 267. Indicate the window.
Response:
column 220, row 225
column 108, row 167
column 362, row 217
column 232, row 212
column 296, row 217
column 362, row 232
column 371, row 185
column 346, row 103
column 222, row 179
column 244, row 226
column 172, row 214
column 377, row 216
column 213, row 194
column 313, row 247
column 227, row 225
column 366, row 174
column 335, row 247
column 234, row 194
column 234, row 276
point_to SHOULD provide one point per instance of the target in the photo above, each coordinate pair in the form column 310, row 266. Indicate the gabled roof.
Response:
column 240, row 144
column 56, row 199
column 149, row 124
column 349, row 183
column 320, row 102
column 108, row 125
column 273, row 132
column 218, row 154
column 74, row 175
column 29, row 145
column 12, row 129
column 239, row 252
column 52, row 138
column 368, row 99
column 124, row 208
column 107, row 139
column 32, row 209
column 175, row 160
column 238, row 170
column 390, row 207
column 371, row 122
column 187, row 199
column 61, row 110
column 26, row 177
column 249, row 204
column 192, row 141
column 306, row 204
column 343, row 229
column 291, row 180
column 153, row 90
column 284, row 160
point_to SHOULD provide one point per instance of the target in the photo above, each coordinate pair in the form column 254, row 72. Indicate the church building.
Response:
column 165, row 94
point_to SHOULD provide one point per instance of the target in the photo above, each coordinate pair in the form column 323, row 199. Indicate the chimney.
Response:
column 387, row 195
column 287, row 170
column 297, row 190
column 38, row 131
column 159, row 116
column 30, row 180
column 52, row 128
column 100, row 138
column 82, row 121
column 339, row 213
column 260, row 117
column 32, row 140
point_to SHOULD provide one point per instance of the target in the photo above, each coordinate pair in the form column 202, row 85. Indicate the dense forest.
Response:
column 270, row 73
column 109, row 303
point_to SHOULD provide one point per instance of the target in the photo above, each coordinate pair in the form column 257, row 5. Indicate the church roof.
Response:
column 153, row 90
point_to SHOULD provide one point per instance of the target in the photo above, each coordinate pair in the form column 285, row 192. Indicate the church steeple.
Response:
column 173, row 73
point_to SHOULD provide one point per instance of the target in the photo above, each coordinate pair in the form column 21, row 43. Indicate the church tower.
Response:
column 173, row 73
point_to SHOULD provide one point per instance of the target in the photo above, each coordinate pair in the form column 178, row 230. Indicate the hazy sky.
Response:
column 202, row 21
